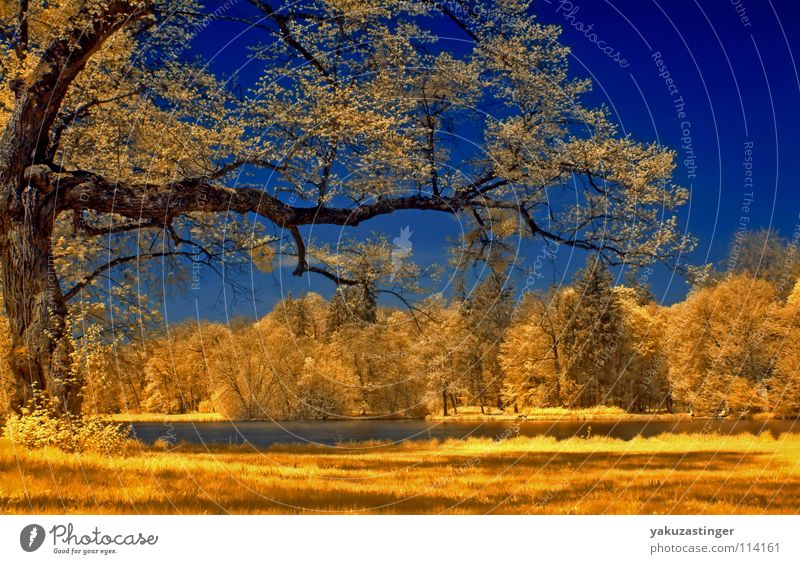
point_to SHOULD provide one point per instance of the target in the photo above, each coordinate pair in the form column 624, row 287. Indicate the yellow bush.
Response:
column 44, row 427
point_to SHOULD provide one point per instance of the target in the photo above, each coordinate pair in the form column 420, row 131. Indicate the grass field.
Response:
column 666, row 474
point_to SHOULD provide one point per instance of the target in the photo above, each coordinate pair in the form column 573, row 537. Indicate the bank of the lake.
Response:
column 602, row 413
column 163, row 417
column 468, row 413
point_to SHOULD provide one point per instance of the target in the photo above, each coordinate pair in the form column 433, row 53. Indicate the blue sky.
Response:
column 733, row 65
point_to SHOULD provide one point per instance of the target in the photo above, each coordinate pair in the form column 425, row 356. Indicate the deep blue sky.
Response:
column 739, row 84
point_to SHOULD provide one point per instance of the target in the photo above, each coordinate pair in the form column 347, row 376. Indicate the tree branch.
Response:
column 41, row 94
column 88, row 278
column 21, row 46
column 282, row 21
column 303, row 266
column 80, row 112
column 80, row 190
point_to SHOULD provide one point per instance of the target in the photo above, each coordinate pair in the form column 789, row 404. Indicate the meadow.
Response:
column 707, row 474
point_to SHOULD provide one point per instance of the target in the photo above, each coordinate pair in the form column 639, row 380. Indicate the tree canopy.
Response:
column 120, row 144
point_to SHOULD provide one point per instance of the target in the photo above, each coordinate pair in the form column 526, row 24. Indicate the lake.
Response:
column 266, row 433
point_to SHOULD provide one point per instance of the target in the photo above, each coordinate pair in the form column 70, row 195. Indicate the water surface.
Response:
column 266, row 433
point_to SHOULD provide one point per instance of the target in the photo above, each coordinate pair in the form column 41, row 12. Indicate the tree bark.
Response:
column 39, row 359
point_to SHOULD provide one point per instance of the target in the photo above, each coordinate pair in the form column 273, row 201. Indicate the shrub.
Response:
column 43, row 426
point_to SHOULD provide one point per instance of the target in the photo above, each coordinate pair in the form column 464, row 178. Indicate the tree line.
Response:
column 731, row 347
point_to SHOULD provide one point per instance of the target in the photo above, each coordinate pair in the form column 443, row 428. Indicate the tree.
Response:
column 6, row 376
column 176, row 374
column 530, row 353
column 722, row 346
column 351, row 306
column 404, row 373
column 765, row 254
column 304, row 317
column 783, row 386
column 263, row 370
column 348, row 119
column 643, row 384
column 443, row 350
column 128, row 368
column 594, row 338
column 486, row 314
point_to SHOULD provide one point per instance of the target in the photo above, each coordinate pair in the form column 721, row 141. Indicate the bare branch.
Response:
column 303, row 266
column 282, row 22
column 21, row 46
column 88, row 278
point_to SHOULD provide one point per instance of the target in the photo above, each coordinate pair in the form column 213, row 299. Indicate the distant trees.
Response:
column 485, row 315
column 444, row 350
column 594, row 338
column 586, row 345
column 532, row 355
column 731, row 347
column 723, row 346
column 6, row 375
column 764, row 254
column 644, row 384
column 176, row 379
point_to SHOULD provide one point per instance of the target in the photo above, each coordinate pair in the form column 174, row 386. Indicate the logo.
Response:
column 31, row 538
column 401, row 250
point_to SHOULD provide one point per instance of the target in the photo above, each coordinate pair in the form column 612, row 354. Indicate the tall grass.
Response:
column 665, row 474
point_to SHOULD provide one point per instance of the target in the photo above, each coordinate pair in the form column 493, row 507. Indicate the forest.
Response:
column 730, row 348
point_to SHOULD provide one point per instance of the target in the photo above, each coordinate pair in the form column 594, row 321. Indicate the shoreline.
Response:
column 561, row 416
column 472, row 417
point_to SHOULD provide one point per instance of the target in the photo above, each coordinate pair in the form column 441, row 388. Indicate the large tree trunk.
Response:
column 39, row 359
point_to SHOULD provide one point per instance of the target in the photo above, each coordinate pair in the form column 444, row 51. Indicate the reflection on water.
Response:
column 266, row 433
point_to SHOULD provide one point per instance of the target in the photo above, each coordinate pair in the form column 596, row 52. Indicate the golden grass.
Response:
column 665, row 474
